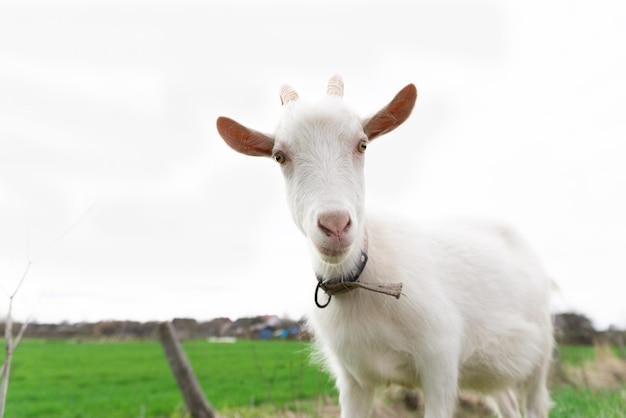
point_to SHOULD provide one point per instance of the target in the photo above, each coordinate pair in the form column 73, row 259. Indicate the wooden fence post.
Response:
column 196, row 402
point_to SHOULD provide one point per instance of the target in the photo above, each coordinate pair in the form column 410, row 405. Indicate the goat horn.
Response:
column 335, row 86
column 288, row 94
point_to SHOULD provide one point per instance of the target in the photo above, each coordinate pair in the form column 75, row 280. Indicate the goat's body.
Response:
column 474, row 310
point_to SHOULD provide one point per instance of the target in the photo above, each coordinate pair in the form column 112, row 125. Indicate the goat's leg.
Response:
column 537, row 396
column 507, row 405
column 536, row 400
column 355, row 399
column 440, row 385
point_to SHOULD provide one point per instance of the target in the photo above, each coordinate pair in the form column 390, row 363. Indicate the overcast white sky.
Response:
column 521, row 116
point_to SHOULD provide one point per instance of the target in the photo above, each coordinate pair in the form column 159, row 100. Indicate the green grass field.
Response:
column 592, row 393
column 62, row 378
column 52, row 378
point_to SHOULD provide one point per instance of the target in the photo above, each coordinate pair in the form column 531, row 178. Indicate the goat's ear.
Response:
column 392, row 115
column 244, row 140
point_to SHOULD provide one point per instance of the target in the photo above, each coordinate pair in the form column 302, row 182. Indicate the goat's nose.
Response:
column 334, row 223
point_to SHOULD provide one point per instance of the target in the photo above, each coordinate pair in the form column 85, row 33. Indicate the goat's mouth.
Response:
column 333, row 252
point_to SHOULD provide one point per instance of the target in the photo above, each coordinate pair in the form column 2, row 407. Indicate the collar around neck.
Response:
column 350, row 281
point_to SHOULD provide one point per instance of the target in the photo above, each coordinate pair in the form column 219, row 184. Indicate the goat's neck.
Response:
column 346, row 276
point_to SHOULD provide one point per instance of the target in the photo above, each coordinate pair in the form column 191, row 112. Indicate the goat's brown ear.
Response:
column 392, row 115
column 244, row 140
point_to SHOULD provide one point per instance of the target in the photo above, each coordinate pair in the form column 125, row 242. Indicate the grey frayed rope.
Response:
column 349, row 282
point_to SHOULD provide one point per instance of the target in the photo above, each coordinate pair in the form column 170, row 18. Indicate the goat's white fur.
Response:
column 475, row 309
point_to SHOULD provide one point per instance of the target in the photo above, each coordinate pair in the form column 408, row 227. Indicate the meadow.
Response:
column 66, row 378
column 63, row 378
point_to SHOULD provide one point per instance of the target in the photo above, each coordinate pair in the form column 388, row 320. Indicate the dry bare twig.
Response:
column 12, row 342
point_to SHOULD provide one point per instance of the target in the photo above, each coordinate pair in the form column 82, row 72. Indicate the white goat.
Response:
column 474, row 308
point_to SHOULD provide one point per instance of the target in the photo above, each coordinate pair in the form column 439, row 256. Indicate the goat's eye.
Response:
column 279, row 157
column 362, row 146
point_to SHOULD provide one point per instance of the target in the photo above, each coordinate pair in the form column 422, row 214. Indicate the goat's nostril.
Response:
column 334, row 223
column 323, row 228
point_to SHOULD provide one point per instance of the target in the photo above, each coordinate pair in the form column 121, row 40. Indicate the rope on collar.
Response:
column 349, row 281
